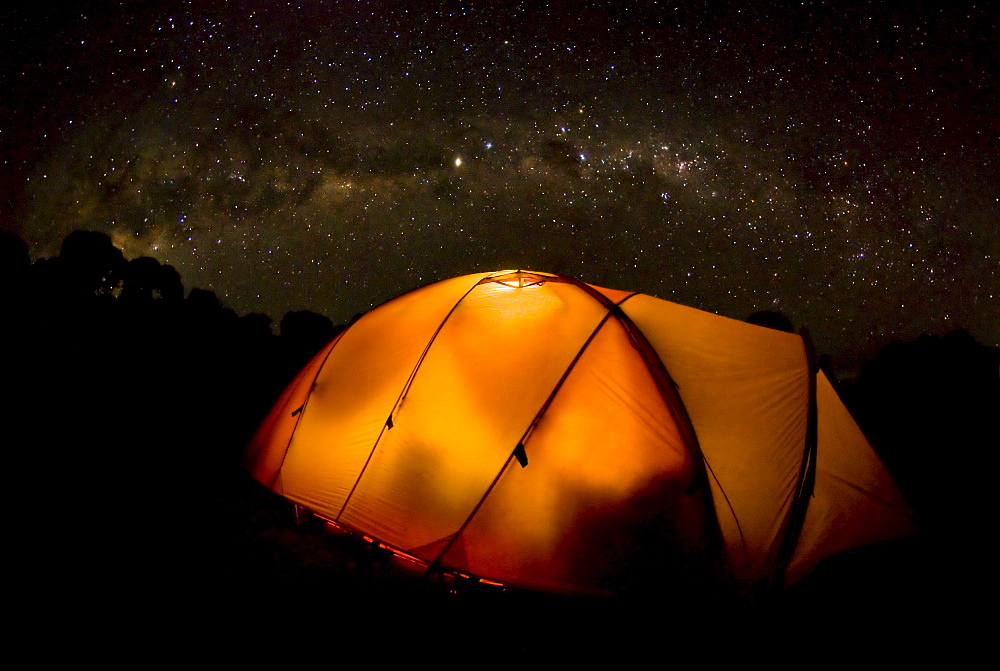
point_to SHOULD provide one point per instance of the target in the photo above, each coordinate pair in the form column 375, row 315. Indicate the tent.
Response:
column 533, row 430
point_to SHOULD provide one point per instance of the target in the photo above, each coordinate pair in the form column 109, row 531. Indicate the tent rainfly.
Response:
column 529, row 429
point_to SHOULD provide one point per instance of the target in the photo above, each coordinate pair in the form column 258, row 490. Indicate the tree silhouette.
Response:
column 91, row 264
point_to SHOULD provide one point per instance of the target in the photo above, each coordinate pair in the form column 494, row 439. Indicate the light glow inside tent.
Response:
column 527, row 429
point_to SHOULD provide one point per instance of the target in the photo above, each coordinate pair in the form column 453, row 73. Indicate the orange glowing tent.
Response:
column 529, row 429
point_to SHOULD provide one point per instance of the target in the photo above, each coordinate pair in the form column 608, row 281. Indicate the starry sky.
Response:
column 834, row 160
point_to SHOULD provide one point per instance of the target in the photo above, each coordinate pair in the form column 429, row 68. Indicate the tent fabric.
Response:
column 530, row 429
column 855, row 502
column 746, row 389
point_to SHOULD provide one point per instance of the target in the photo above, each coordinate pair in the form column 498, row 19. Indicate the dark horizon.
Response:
column 174, row 284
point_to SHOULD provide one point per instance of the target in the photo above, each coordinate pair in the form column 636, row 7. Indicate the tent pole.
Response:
column 807, row 474
column 402, row 395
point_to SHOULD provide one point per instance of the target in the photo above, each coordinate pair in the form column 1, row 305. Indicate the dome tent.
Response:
column 529, row 429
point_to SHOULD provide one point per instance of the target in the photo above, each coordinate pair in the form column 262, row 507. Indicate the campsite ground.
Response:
column 253, row 565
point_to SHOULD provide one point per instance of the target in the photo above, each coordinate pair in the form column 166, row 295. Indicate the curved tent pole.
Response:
column 661, row 379
column 297, row 413
column 671, row 398
column 654, row 365
column 807, row 474
column 518, row 452
column 402, row 395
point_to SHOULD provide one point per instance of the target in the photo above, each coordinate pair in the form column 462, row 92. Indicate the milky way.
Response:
column 834, row 161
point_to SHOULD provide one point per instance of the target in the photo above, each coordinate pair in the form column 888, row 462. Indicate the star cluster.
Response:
column 836, row 161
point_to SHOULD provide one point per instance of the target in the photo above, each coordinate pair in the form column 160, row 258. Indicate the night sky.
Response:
column 836, row 161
